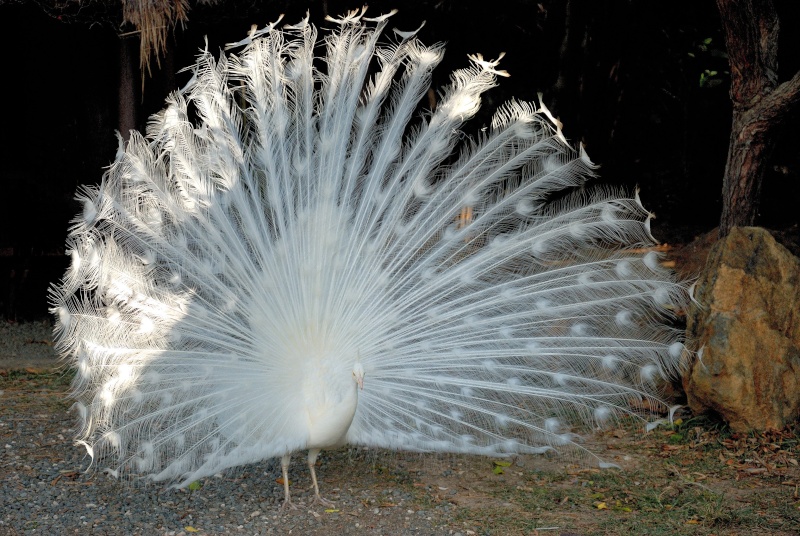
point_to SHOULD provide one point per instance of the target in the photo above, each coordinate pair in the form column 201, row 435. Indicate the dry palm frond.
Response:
column 152, row 20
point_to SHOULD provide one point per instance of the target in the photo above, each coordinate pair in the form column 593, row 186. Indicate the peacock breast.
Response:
column 330, row 396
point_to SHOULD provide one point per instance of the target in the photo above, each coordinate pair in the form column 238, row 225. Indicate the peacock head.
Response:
column 358, row 374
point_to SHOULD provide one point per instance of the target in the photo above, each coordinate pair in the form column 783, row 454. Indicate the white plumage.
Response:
column 282, row 235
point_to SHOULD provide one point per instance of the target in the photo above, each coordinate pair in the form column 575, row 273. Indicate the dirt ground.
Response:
column 691, row 478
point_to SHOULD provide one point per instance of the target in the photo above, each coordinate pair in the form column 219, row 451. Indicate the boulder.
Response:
column 746, row 326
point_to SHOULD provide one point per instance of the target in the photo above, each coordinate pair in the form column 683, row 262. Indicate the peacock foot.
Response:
column 288, row 504
column 324, row 502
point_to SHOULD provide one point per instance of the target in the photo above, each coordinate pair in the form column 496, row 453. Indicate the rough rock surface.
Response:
column 747, row 325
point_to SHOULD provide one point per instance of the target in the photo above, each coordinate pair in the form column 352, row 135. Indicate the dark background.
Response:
column 631, row 93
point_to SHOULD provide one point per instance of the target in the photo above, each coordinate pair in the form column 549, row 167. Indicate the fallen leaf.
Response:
column 499, row 467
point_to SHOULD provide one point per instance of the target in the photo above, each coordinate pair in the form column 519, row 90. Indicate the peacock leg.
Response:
column 312, row 459
column 287, row 501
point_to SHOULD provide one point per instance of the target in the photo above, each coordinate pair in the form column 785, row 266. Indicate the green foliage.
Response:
column 707, row 54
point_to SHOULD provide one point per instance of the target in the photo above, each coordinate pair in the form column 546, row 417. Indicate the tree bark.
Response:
column 128, row 48
column 760, row 104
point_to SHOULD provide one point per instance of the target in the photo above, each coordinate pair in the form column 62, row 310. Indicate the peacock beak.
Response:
column 358, row 376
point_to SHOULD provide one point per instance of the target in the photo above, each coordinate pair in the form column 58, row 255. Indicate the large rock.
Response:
column 747, row 325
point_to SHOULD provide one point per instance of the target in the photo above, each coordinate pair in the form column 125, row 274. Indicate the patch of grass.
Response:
column 32, row 393
column 35, row 379
column 696, row 478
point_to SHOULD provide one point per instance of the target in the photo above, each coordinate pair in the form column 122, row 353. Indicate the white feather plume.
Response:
column 282, row 222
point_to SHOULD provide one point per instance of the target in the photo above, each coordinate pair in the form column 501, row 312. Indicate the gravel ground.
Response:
column 46, row 491
column 45, row 488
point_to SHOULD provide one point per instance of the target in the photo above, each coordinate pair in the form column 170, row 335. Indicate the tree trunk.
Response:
column 759, row 104
column 127, row 105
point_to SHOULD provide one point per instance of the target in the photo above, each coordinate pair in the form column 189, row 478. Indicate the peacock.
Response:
column 295, row 257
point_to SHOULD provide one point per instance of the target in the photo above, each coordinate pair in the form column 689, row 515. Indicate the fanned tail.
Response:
column 279, row 211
